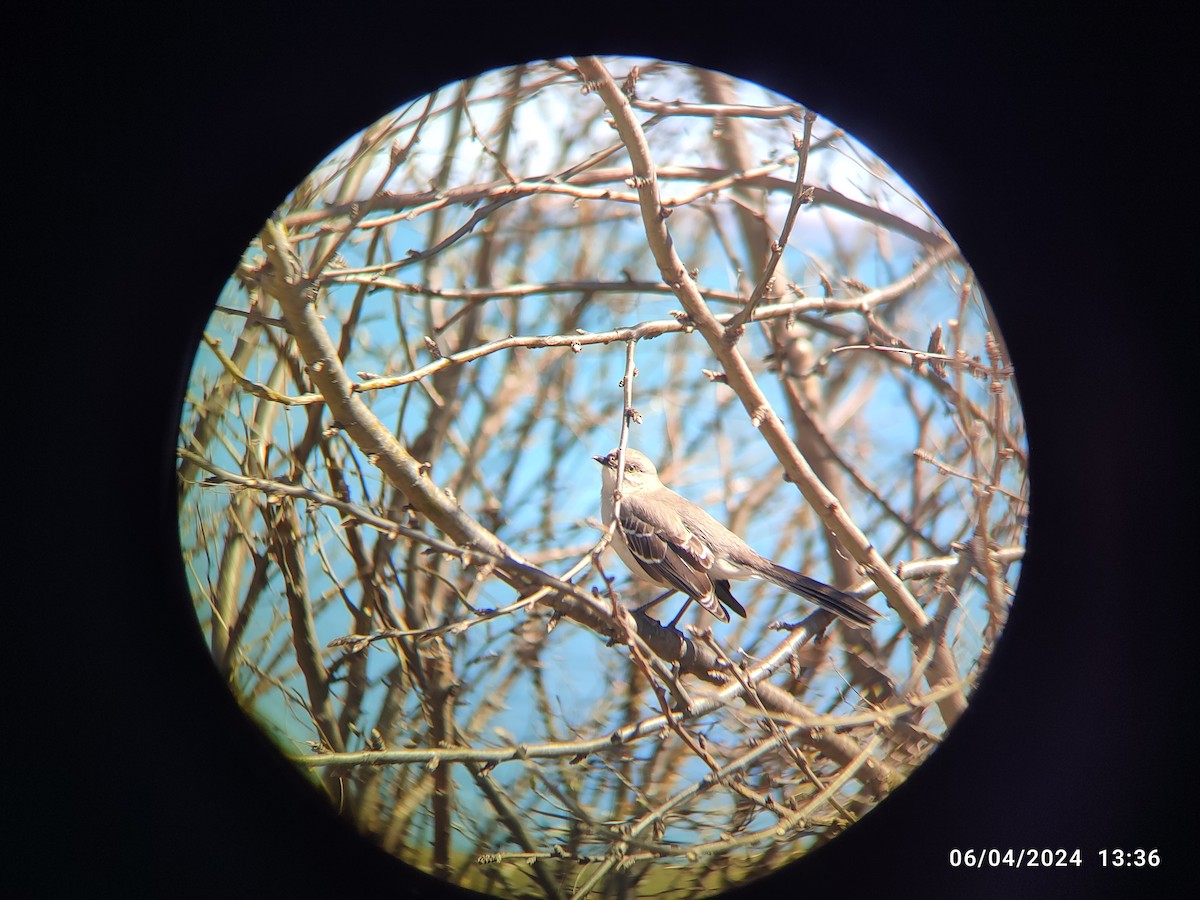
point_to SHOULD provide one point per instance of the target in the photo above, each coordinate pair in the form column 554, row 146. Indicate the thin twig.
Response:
column 800, row 196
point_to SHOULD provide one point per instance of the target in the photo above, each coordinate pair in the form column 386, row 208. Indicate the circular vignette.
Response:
column 391, row 520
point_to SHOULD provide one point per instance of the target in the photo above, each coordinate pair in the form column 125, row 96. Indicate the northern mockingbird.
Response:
column 675, row 544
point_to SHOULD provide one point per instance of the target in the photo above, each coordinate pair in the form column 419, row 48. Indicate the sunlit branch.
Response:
column 711, row 180
column 739, row 377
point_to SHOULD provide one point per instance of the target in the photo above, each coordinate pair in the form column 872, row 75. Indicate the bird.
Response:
column 672, row 542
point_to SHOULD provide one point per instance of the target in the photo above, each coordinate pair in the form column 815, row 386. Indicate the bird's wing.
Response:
column 668, row 551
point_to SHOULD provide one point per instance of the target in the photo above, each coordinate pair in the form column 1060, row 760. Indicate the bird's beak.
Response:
column 603, row 460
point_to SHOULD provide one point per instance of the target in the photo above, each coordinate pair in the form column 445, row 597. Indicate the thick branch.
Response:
column 942, row 668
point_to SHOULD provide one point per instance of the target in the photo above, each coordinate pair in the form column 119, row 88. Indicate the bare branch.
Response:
column 739, row 377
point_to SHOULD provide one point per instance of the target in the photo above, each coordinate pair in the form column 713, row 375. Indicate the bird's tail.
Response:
column 845, row 605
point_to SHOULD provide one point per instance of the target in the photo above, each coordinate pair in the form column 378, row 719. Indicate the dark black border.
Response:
column 173, row 136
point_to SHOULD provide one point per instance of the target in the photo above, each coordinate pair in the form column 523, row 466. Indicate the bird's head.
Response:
column 638, row 468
